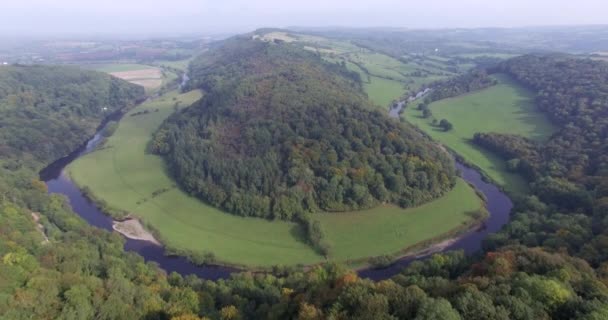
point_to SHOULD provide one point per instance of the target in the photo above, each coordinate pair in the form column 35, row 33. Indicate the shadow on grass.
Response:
column 297, row 232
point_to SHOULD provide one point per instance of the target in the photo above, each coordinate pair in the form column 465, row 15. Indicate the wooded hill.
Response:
column 280, row 133
column 47, row 111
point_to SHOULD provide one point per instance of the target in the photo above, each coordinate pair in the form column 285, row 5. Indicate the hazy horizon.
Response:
column 155, row 17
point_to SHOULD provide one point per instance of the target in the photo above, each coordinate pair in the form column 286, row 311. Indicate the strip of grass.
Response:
column 504, row 108
column 389, row 229
column 127, row 178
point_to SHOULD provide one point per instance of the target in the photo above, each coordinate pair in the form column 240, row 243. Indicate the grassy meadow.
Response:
column 504, row 108
column 383, row 91
column 127, row 178
column 389, row 229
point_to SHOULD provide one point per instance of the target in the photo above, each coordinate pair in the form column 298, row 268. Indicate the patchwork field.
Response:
column 504, row 108
column 149, row 77
column 128, row 178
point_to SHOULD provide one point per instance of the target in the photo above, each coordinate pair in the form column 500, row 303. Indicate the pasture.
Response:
column 504, row 108
column 389, row 229
column 383, row 91
column 124, row 175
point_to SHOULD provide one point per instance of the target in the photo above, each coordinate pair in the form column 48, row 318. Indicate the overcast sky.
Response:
column 18, row 17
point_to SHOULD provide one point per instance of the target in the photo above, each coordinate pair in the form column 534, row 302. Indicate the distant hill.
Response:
column 280, row 132
column 47, row 111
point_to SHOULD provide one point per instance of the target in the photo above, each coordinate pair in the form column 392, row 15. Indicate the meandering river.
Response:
column 498, row 204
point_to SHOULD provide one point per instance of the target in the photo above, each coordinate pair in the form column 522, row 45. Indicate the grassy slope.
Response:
column 125, row 176
column 505, row 108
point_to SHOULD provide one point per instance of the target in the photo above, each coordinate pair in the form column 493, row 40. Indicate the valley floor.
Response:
column 504, row 108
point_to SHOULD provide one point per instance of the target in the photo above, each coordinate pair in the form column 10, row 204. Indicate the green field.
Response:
column 388, row 229
column 125, row 176
column 504, row 108
column 383, row 91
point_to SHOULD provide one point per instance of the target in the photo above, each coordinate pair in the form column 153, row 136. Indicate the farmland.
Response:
column 504, row 108
column 149, row 77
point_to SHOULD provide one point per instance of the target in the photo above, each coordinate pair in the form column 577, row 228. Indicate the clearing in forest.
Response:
column 504, row 108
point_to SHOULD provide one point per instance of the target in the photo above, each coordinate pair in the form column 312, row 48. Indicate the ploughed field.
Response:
column 149, row 77
column 504, row 108
column 128, row 178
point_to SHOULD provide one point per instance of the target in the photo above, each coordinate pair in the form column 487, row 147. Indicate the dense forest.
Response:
column 280, row 133
column 46, row 111
column 568, row 209
column 571, row 167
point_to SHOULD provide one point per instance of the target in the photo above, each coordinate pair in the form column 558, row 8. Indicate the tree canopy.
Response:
column 47, row 110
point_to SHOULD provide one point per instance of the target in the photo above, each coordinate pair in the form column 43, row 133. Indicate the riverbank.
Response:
column 132, row 228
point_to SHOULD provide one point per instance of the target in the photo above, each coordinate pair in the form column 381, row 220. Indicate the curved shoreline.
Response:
column 417, row 250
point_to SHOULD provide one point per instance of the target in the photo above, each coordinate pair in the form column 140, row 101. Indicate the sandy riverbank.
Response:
column 133, row 229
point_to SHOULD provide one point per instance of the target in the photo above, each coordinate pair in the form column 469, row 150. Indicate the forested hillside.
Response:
column 47, row 111
column 52, row 264
column 280, row 133
column 568, row 172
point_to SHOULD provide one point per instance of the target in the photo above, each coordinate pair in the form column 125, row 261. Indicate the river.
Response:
column 498, row 205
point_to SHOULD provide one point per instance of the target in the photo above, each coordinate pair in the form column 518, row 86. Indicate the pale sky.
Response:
column 18, row 17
